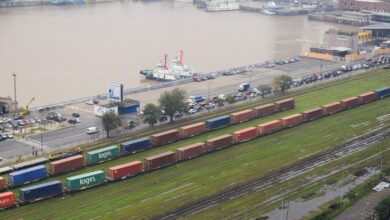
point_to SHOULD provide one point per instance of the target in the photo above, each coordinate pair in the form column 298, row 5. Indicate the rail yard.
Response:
column 251, row 149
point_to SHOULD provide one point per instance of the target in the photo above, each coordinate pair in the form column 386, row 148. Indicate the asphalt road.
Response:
column 10, row 149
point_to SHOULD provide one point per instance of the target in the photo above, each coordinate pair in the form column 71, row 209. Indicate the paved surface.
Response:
column 11, row 148
column 363, row 209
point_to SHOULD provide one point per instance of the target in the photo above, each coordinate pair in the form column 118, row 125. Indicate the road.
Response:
column 73, row 135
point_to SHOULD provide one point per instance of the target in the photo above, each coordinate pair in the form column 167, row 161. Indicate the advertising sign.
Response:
column 115, row 92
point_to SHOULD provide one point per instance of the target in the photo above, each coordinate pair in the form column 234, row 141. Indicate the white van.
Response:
column 92, row 130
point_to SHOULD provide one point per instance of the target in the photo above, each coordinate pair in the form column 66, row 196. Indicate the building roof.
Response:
column 376, row 27
column 341, row 49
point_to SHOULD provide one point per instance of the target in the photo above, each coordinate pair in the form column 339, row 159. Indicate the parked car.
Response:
column 76, row 115
column 8, row 135
column 163, row 118
column 131, row 124
column 192, row 111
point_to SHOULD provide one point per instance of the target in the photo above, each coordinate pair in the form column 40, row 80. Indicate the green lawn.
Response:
column 171, row 187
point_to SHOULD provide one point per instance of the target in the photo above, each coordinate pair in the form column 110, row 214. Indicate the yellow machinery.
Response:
column 25, row 110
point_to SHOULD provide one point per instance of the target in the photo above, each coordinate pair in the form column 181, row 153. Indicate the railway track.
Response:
column 279, row 175
column 156, row 180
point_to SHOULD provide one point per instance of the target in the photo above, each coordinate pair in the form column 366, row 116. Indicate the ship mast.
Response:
column 165, row 60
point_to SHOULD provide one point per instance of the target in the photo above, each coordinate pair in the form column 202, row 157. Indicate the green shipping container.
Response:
column 84, row 181
column 103, row 154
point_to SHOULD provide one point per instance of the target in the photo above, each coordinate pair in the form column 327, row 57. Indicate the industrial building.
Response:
column 127, row 106
column 381, row 31
column 370, row 5
column 7, row 105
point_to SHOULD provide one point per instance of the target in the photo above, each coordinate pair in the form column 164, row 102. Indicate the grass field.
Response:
column 171, row 187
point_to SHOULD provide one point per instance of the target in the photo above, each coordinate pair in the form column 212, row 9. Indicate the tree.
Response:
column 173, row 101
column 151, row 114
column 264, row 89
column 282, row 83
column 110, row 121
column 230, row 99
column 383, row 209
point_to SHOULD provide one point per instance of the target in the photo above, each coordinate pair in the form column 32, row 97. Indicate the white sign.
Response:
column 115, row 92
column 100, row 110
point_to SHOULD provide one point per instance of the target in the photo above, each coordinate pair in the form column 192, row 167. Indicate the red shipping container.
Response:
column 66, row 164
column 165, row 137
column 219, row 142
column 292, row 120
column 190, row 151
column 191, row 130
column 125, row 170
column 285, row 104
column 264, row 110
column 367, row 97
column 244, row 134
column 269, row 127
column 7, row 199
column 160, row 160
column 312, row 114
column 331, row 108
column 350, row 102
column 241, row 116
column 2, row 183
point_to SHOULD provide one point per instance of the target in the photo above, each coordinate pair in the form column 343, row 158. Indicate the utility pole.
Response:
column 14, row 75
column 288, row 203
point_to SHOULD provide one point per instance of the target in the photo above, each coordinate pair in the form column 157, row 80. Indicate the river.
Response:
column 65, row 52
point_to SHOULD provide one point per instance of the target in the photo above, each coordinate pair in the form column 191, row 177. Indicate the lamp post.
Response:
column 14, row 75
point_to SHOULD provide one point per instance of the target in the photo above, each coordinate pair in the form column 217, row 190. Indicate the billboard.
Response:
column 115, row 92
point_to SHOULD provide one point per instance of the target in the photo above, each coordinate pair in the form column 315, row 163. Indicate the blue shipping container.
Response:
column 27, row 175
column 218, row 122
column 40, row 191
column 135, row 145
column 382, row 93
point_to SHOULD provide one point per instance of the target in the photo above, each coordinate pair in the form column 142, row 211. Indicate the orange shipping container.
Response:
column 244, row 134
column 191, row 130
column 242, row 116
column 269, row 127
column 125, row 170
column 190, row 151
column 312, row 114
column 264, row 110
column 219, row 142
column 292, row 120
column 367, row 97
column 285, row 104
column 350, row 102
column 165, row 137
column 7, row 199
column 331, row 108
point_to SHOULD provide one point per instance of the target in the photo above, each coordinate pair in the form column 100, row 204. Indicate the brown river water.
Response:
column 65, row 52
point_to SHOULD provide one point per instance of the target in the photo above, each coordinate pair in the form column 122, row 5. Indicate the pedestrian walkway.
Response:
column 364, row 208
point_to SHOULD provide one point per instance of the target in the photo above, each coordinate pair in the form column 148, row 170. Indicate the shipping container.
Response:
column 218, row 122
column 382, row 93
column 269, row 127
column 125, row 170
column 28, row 175
column 103, row 154
column 264, row 110
column 331, row 108
column 292, row 120
column 244, row 134
column 66, row 165
column 191, row 151
column 40, row 191
column 7, row 199
column 85, row 181
column 219, row 142
column 285, row 104
column 165, row 137
column 136, row 145
column 367, row 97
column 191, row 130
column 160, row 160
column 2, row 183
column 350, row 102
column 312, row 114
column 241, row 116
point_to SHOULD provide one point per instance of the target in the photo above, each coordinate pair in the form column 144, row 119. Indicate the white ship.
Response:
column 185, row 1
column 222, row 5
column 174, row 71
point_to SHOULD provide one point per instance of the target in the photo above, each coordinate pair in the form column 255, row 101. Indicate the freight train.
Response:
column 84, row 181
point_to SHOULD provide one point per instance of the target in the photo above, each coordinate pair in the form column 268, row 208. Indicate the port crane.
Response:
column 25, row 110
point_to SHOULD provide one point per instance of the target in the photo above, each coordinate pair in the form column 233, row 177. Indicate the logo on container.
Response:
column 87, row 181
column 4, row 201
column 105, row 155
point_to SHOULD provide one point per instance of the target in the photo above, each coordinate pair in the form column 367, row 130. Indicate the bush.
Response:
column 383, row 209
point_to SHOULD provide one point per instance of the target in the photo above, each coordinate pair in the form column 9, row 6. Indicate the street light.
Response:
column 14, row 75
